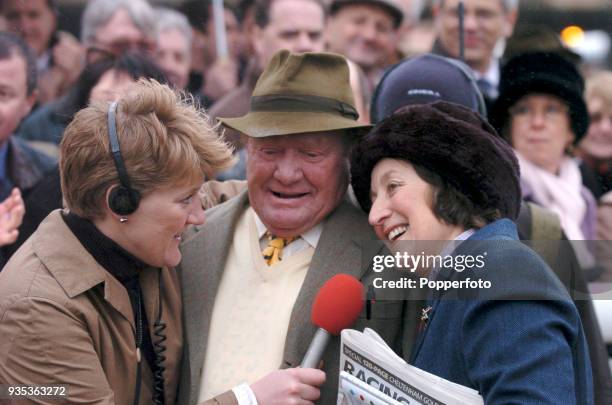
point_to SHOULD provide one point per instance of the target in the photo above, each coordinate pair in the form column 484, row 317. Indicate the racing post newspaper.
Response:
column 372, row 373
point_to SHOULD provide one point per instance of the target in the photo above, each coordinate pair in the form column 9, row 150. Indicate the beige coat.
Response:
column 66, row 320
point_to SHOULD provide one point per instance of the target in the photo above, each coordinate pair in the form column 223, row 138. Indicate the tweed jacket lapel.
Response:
column 200, row 272
column 341, row 249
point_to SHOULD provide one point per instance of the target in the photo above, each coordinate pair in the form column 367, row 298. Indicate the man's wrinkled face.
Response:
column 486, row 22
column 364, row 33
column 295, row 25
column 296, row 181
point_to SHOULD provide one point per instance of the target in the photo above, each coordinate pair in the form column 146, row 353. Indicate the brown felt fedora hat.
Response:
column 298, row 93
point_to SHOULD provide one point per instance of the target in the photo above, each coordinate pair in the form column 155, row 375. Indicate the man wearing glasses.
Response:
column 112, row 27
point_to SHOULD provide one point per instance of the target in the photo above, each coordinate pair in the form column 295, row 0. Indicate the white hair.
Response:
column 99, row 12
column 168, row 19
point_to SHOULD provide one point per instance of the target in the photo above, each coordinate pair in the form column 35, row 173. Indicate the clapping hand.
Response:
column 12, row 210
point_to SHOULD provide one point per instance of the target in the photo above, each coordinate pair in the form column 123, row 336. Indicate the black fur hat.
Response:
column 541, row 72
column 447, row 139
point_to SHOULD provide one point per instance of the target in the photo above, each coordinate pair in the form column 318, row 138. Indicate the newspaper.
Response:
column 367, row 362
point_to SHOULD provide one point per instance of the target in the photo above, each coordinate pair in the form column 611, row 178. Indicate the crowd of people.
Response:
column 310, row 139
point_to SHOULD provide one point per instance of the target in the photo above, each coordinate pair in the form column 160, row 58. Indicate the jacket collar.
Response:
column 62, row 262
column 500, row 229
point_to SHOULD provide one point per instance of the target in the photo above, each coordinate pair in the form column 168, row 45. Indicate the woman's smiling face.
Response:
column 402, row 205
column 154, row 231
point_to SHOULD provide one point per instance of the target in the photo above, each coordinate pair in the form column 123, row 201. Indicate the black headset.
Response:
column 123, row 199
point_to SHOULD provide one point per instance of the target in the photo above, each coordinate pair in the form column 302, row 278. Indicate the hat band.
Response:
column 302, row 103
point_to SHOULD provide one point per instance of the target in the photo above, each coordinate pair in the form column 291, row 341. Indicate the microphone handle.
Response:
column 316, row 349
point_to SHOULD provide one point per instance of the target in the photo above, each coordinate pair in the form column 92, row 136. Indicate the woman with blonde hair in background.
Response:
column 596, row 147
column 596, row 151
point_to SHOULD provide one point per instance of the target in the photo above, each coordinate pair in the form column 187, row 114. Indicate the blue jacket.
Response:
column 526, row 346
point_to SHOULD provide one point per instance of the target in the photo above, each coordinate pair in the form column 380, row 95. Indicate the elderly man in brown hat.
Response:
column 251, row 272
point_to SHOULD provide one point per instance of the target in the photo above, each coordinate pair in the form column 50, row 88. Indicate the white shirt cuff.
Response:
column 244, row 395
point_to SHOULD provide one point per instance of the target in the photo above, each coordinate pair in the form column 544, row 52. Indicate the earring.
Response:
column 123, row 220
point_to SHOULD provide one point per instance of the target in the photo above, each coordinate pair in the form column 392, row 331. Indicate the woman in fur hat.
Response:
column 542, row 113
column 440, row 172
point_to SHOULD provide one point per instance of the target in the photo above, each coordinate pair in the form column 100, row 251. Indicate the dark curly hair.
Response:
column 473, row 172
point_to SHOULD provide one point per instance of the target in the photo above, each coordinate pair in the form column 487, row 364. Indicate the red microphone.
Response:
column 336, row 306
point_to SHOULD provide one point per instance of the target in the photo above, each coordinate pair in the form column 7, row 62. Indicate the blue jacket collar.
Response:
column 500, row 229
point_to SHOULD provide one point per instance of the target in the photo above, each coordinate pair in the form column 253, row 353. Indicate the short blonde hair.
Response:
column 165, row 140
column 599, row 85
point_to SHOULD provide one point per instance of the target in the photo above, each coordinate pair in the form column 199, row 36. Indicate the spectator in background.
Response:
column 223, row 73
column 212, row 77
column 60, row 56
column 416, row 35
column 112, row 27
column 173, row 55
column 542, row 113
column 21, row 166
column 596, row 152
column 295, row 25
column 47, row 124
column 596, row 147
column 246, row 17
column 487, row 22
column 366, row 32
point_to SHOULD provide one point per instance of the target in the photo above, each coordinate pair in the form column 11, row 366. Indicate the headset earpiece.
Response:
column 123, row 199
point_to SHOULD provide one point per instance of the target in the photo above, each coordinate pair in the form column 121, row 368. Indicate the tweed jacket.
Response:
column 347, row 245
column 521, row 342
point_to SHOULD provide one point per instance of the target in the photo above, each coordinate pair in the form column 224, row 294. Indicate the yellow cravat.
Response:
column 272, row 254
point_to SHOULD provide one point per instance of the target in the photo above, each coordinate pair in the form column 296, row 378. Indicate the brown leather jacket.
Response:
column 66, row 320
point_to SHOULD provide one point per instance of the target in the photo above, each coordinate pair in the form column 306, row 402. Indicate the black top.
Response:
column 121, row 265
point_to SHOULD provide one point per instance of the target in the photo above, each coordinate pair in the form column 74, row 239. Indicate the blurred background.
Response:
column 585, row 25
